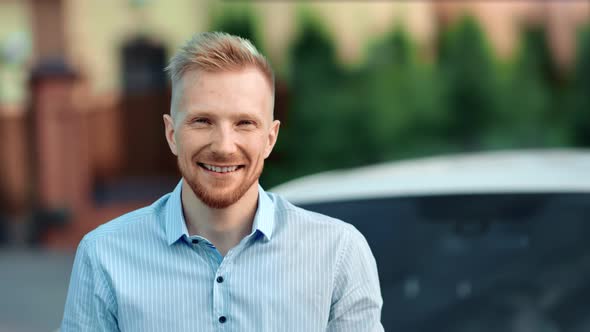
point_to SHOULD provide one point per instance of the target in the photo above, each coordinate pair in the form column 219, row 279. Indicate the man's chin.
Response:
column 217, row 201
column 218, row 198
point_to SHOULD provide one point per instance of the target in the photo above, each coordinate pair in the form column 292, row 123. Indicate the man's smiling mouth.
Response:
column 220, row 169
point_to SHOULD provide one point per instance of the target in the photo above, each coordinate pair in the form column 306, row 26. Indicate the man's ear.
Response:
column 273, row 134
column 169, row 131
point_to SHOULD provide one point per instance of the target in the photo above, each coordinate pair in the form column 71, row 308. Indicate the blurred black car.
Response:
column 495, row 241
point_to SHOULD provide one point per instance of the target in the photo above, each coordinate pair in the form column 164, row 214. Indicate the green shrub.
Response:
column 527, row 118
column 580, row 93
column 469, row 84
column 239, row 20
column 403, row 100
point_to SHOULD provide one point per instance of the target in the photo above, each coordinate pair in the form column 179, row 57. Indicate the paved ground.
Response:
column 33, row 287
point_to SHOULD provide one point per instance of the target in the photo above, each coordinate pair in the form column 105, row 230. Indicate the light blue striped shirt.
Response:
column 296, row 271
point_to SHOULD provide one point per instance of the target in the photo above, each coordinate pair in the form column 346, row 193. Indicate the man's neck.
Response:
column 225, row 228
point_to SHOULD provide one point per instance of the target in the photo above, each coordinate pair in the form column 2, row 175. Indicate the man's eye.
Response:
column 201, row 121
column 245, row 123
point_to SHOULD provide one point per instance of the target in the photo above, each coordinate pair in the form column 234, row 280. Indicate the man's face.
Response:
column 221, row 132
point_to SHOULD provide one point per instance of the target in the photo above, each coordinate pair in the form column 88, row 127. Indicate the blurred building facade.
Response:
column 82, row 88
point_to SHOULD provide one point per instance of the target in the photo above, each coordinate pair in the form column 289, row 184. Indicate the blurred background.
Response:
column 82, row 91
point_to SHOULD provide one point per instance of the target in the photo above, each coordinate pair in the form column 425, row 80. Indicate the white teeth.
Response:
column 220, row 169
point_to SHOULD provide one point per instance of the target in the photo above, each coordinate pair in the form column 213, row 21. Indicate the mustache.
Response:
column 215, row 157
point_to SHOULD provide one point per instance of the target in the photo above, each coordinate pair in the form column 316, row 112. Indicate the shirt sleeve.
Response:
column 356, row 300
column 90, row 305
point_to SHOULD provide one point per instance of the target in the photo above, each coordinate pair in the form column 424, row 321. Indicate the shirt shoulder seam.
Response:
column 340, row 256
column 88, row 247
column 109, row 227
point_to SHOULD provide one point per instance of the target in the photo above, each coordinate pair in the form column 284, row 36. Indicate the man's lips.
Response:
column 220, row 168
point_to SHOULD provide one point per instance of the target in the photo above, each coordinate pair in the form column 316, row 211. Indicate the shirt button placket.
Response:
column 219, row 293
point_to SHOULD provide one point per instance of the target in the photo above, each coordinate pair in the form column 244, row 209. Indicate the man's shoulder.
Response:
column 129, row 224
column 291, row 214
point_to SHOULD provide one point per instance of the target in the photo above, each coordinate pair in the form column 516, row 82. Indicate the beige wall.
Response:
column 564, row 19
column 15, row 30
column 97, row 29
column 355, row 24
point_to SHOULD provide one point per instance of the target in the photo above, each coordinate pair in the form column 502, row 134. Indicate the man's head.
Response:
column 221, row 124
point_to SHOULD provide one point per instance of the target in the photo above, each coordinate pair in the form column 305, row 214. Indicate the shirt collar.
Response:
column 264, row 219
column 176, row 226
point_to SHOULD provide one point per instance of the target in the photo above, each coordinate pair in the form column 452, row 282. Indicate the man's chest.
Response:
column 262, row 289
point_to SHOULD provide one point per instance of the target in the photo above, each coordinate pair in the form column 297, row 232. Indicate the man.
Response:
column 219, row 253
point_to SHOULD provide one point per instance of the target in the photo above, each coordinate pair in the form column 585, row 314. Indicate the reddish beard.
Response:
column 218, row 200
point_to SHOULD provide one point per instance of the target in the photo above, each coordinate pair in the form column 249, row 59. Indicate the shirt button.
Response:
column 222, row 319
column 195, row 241
column 220, row 279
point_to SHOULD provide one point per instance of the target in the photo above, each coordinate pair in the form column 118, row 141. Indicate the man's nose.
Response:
column 223, row 141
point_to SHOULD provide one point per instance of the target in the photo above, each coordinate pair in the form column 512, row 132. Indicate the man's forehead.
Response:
column 244, row 91
column 199, row 76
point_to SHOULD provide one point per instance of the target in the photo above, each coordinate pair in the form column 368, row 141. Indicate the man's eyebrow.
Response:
column 199, row 112
column 212, row 114
column 246, row 115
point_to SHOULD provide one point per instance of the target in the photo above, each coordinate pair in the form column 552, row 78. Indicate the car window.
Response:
column 485, row 262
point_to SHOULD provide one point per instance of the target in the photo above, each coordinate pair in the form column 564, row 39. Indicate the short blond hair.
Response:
column 216, row 52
